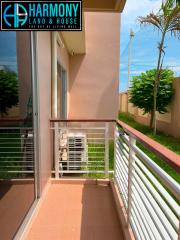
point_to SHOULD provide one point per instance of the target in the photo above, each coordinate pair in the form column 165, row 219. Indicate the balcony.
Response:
column 104, row 185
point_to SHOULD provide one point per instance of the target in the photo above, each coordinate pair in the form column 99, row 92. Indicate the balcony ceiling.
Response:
column 75, row 41
column 104, row 5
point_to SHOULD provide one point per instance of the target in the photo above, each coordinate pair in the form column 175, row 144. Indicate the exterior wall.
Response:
column 44, row 82
column 94, row 77
column 64, row 59
column 168, row 123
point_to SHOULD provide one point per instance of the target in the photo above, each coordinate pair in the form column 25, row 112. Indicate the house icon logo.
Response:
column 15, row 15
column 41, row 15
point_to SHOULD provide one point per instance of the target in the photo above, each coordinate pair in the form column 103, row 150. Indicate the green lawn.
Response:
column 9, row 160
column 95, row 151
column 168, row 141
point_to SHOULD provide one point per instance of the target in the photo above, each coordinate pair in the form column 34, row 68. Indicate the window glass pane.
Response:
column 16, row 132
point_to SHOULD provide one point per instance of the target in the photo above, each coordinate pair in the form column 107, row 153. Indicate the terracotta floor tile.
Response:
column 77, row 212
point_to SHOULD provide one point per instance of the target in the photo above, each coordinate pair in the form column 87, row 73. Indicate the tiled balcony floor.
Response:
column 16, row 197
column 77, row 212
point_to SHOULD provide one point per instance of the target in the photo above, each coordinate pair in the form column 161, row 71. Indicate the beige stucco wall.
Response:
column 93, row 85
column 44, row 82
column 168, row 123
column 175, row 109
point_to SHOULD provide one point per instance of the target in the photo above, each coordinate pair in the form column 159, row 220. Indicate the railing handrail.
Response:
column 81, row 120
column 167, row 155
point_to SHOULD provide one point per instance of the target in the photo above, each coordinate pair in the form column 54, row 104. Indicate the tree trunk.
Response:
column 151, row 120
column 156, row 84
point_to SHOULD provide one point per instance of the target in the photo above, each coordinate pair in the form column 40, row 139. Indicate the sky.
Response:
column 144, row 48
column 8, row 50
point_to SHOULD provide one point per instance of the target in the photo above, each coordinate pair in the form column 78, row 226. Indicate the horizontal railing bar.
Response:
column 96, row 143
column 80, row 152
column 17, row 166
column 15, row 119
column 80, row 171
column 169, row 182
column 136, row 228
column 78, row 128
column 12, row 157
column 17, row 142
column 123, row 156
column 96, row 147
column 124, row 145
column 102, row 153
column 159, row 186
column 16, row 152
column 78, row 166
column 124, row 178
column 124, row 174
column 142, row 217
column 122, row 191
column 19, row 138
column 16, row 128
column 163, row 224
column 139, row 224
column 81, row 120
column 85, row 162
column 8, row 171
column 163, row 205
column 20, row 147
column 123, row 187
column 169, row 156
column 137, row 198
column 9, row 162
column 153, row 215
column 88, row 138
column 122, row 150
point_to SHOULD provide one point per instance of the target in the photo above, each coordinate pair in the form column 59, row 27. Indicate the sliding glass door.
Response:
column 17, row 161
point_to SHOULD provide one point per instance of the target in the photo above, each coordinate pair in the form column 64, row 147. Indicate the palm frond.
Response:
column 151, row 19
column 173, row 22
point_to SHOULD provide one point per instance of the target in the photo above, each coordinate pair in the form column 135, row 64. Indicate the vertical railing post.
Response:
column 132, row 142
column 106, row 149
column 56, row 149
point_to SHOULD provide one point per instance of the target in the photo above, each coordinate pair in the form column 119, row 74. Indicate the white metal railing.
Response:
column 149, row 194
column 80, row 147
column 16, row 152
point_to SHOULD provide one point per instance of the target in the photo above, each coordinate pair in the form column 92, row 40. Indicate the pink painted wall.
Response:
column 63, row 59
column 94, row 77
column 44, row 78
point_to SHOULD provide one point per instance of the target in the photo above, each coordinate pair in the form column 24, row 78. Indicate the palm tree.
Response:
column 166, row 20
